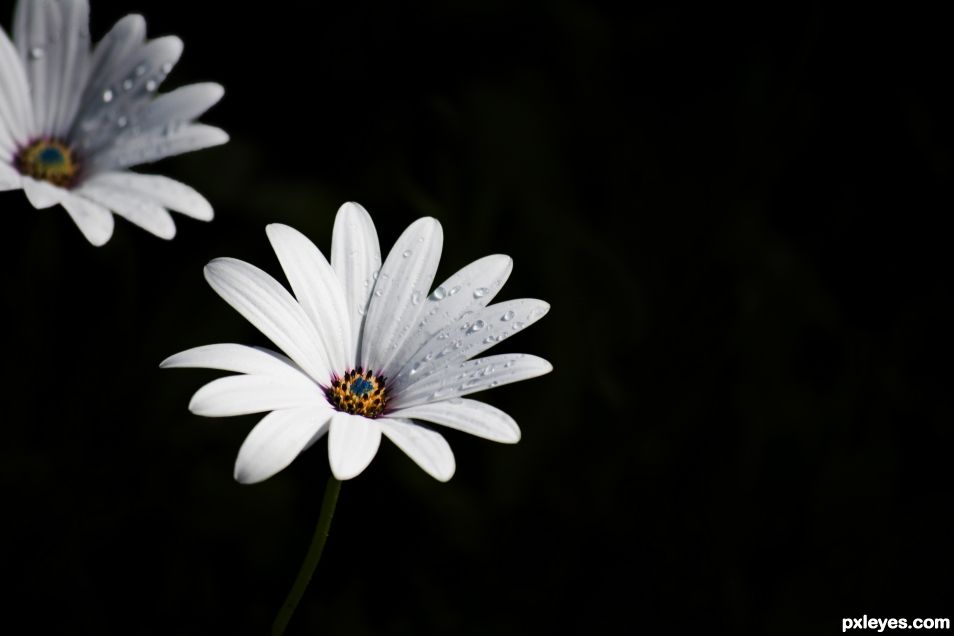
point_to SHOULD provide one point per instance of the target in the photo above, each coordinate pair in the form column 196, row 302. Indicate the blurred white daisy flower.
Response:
column 369, row 351
column 73, row 120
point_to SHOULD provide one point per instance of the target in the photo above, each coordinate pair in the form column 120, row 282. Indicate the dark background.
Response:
column 740, row 221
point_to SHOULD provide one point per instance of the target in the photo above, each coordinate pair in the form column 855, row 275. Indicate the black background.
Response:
column 739, row 219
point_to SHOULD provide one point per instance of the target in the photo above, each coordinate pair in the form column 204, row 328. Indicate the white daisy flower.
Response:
column 73, row 120
column 369, row 351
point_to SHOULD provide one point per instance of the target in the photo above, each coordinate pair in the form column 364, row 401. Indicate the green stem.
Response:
column 311, row 559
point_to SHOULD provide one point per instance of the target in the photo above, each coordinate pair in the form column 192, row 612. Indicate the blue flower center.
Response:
column 359, row 392
column 49, row 160
column 361, row 386
column 51, row 155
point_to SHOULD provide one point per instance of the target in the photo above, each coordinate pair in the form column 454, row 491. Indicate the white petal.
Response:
column 272, row 310
column 352, row 443
column 37, row 29
column 183, row 104
column 110, row 116
column 479, row 331
column 109, row 62
column 277, row 440
column 73, row 56
column 147, row 214
column 16, row 110
column 469, row 289
column 469, row 416
column 427, row 448
column 159, row 144
column 167, row 192
column 470, row 377
column 317, row 289
column 244, row 394
column 94, row 221
column 42, row 194
column 356, row 259
column 399, row 293
column 9, row 178
column 238, row 359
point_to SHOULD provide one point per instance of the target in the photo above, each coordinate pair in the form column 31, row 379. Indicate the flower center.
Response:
column 48, row 160
column 359, row 392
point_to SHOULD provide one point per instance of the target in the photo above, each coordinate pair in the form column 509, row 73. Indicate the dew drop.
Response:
column 127, row 84
column 488, row 339
column 406, row 253
column 140, row 70
column 507, row 316
column 477, row 326
column 122, row 122
column 453, row 291
column 517, row 326
column 37, row 53
column 167, row 67
column 480, row 292
column 439, row 293
column 377, row 292
column 374, row 276
column 107, row 95
column 152, row 85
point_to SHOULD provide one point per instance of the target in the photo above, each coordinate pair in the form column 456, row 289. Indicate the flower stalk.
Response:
column 311, row 558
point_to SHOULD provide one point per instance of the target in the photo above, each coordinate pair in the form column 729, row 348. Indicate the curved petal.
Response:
column 399, row 292
column 238, row 359
column 42, row 194
column 16, row 109
column 483, row 329
column 277, row 440
column 470, row 377
column 167, row 192
column 353, row 442
column 272, row 310
column 73, row 56
column 109, row 61
column 244, row 394
column 468, row 290
column 427, row 448
column 180, row 105
column 148, row 215
column 317, row 289
column 110, row 116
column 159, row 144
column 37, row 29
column 356, row 259
column 9, row 178
column 93, row 220
column 469, row 416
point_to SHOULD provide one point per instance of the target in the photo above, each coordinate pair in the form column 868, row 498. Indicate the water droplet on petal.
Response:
column 517, row 326
column 152, row 85
column 140, row 70
column 122, row 122
column 477, row 326
column 454, row 291
column 107, row 95
column 377, row 292
column 127, row 84
column 167, row 67
column 438, row 294
column 37, row 53
column 480, row 292
column 406, row 253
column 416, row 298
column 507, row 316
